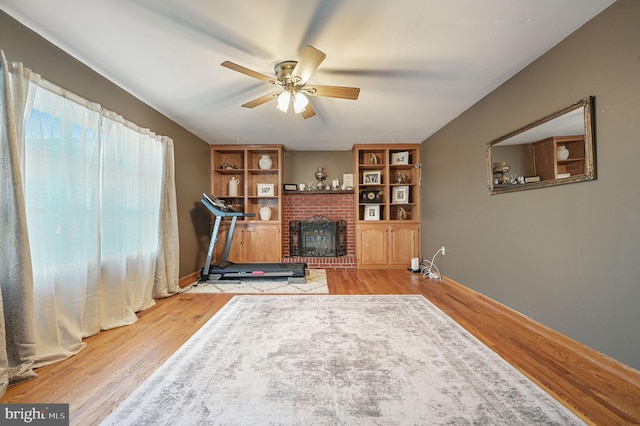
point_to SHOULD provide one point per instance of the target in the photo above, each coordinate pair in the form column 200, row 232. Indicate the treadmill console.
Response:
column 216, row 202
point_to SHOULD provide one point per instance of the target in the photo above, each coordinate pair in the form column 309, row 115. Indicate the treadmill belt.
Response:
column 257, row 270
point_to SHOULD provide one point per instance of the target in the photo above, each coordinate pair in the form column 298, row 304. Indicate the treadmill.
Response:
column 227, row 272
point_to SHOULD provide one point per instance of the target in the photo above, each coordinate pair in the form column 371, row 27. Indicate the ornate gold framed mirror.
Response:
column 557, row 149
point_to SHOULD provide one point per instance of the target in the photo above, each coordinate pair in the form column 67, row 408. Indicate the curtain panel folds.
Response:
column 167, row 276
column 17, row 348
column 90, row 219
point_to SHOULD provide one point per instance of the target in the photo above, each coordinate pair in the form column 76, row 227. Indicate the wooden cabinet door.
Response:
column 404, row 243
column 236, row 250
column 371, row 244
column 263, row 243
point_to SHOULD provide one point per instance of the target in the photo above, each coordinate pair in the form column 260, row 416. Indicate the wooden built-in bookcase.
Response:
column 254, row 240
column 387, row 204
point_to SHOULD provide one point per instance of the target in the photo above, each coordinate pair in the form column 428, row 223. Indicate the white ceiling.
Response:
column 419, row 63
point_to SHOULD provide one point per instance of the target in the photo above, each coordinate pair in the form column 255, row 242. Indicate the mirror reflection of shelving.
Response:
column 559, row 157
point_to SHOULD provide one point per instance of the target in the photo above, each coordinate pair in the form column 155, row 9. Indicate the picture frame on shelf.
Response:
column 265, row 190
column 372, row 212
column 372, row 178
column 400, row 194
column 400, row 157
column 290, row 187
column 347, row 180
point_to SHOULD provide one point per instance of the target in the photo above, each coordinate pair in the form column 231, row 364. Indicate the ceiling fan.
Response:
column 291, row 78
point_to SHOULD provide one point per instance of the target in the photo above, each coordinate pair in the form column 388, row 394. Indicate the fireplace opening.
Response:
column 317, row 237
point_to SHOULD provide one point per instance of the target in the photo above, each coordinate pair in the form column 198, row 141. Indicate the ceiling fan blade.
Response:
column 309, row 62
column 319, row 21
column 308, row 111
column 248, row 72
column 261, row 100
column 334, row 91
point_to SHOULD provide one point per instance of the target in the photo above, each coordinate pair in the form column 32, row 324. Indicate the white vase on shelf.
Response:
column 265, row 213
column 233, row 187
column 563, row 152
column 265, row 162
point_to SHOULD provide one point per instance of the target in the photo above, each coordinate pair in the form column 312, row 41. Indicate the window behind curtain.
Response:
column 61, row 183
column 131, row 182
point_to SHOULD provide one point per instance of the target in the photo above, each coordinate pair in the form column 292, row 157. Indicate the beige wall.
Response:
column 302, row 165
column 191, row 153
column 567, row 256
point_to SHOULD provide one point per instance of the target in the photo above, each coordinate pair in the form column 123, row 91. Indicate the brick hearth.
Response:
column 335, row 205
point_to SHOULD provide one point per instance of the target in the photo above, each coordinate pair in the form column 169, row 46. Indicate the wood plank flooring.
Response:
column 115, row 362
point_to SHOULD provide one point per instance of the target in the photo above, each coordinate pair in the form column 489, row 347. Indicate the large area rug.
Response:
column 336, row 360
column 316, row 284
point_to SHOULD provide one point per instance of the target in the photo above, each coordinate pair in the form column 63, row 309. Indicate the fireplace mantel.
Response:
column 320, row 192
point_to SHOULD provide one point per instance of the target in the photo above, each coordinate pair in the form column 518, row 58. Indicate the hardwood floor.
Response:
column 115, row 362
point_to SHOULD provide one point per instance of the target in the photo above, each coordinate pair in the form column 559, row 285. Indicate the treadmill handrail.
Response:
column 219, row 213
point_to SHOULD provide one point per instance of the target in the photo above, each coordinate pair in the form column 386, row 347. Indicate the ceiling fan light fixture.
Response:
column 283, row 101
column 300, row 102
column 291, row 80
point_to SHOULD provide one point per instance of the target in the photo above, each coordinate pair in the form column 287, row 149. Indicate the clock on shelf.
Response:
column 370, row 196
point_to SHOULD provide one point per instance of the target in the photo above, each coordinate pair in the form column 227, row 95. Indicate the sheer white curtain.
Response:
column 17, row 339
column 89, row 221
column 62, row 181
column 131, row 188
column 93, row 185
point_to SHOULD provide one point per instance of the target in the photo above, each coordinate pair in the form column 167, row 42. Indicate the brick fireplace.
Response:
column 334, row 205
